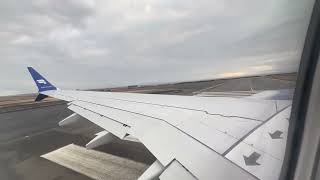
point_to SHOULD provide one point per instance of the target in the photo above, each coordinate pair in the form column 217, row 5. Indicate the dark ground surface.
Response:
column 26, row 134
column 258, row 83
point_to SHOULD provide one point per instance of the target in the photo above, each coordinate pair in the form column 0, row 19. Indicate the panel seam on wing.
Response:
column 102, row 115
column 153, row 118
column 199, row 110
column 184, row 108
column 250, row 132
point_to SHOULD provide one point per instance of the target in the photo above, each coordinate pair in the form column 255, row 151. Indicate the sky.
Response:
column 91, row 44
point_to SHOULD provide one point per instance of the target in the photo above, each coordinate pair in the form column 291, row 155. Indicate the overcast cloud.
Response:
column 89, row 44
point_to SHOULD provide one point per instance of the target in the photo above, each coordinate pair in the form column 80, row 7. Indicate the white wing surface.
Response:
column 191, row 137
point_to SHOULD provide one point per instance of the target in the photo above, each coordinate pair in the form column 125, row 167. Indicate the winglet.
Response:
column 41, row 82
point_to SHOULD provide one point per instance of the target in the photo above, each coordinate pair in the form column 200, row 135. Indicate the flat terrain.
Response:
column 29, row 130
column 257, row 83
column 27, row 134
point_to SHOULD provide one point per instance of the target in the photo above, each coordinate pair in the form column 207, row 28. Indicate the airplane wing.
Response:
column 191, row 137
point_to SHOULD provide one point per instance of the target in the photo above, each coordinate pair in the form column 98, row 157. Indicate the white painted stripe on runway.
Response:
column 237, row 94
column 95, row 164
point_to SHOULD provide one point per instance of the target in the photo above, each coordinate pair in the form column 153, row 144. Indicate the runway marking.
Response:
column 207, row 88
column 95, row 164
column 285, row 80
column 26, row 136
column 237, row 94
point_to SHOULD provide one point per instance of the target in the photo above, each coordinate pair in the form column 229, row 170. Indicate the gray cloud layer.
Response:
column 86, row 44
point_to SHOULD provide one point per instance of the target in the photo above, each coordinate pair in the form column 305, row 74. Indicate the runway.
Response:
column 26, row 135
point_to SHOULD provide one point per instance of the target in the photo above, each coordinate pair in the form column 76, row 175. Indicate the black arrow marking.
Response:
column 276, row 135
column 252, row 159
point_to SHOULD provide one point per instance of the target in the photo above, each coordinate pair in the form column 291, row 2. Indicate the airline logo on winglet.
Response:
column 41, row 81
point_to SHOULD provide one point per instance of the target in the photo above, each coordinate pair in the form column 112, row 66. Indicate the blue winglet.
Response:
column 41, row 82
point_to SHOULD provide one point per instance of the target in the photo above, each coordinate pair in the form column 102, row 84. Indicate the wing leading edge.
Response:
column 191, row 137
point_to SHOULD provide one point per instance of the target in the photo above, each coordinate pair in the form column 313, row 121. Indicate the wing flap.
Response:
column 256, row 162
column 262, row 152
column 168, row 143
column 118, row 129
column 271, row 137
column 214, row 134
column 176, row 171
column 138, row 123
